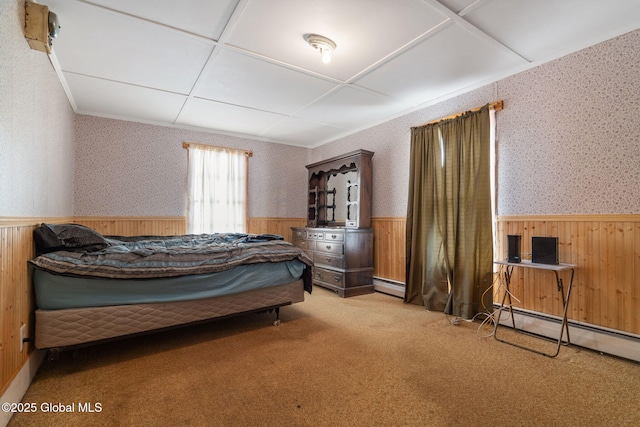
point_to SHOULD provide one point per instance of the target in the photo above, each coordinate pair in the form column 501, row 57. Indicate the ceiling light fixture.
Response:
column 323, row 44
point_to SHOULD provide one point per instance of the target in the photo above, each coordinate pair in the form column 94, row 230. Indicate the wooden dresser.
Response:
column 338, row 236
column 343, row 258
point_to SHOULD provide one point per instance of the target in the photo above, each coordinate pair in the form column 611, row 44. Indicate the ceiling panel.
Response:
column 117, row 47
column 236, row 78
column 203, row 17
column 106, row 98
column 458, row 6
column 449, row 60
column 227, row 118
column 243, row 67
column 305, row 133
column 365, row 31
column 543, row 29
column 349, row 107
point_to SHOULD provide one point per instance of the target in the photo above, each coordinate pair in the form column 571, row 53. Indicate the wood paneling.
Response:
column 16, row 298
column 606, row 248
column 389, row 248
column 16, row 293
column 389, row 241
column 136, row 226
column 279, row 226
column 17, row 302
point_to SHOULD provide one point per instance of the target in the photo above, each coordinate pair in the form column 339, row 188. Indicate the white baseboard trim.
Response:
column 387, row 286
column 596, row 338
column 20, row 384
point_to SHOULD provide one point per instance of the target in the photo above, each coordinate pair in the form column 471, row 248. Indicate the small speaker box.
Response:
column 514, row 243
column 544, row 250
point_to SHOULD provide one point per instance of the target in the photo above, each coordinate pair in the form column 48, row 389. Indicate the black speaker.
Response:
column 514, row 243
column 544, row 250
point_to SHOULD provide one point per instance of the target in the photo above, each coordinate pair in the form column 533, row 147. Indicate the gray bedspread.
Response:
column 146, row 257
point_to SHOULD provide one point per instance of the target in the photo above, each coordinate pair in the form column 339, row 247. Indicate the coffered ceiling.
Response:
column 243, row 67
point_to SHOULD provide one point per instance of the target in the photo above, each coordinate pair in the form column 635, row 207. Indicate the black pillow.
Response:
column 68, row 237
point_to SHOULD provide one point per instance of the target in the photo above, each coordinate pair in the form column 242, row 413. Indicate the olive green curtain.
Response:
column 449, row 220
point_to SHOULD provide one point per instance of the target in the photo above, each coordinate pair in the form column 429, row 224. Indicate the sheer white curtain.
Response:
column 494, row 180
column 217, row 190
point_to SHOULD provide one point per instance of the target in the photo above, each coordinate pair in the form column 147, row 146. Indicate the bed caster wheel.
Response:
column 276, row 322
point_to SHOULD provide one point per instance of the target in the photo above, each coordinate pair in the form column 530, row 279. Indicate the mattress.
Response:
column 92, row 288
column 73, row 326
column 55, row 292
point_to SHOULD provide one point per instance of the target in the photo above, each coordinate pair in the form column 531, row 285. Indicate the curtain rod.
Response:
column 247, row 153
column 496, row 106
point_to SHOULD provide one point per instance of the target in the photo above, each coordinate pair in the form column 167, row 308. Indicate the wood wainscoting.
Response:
column 17, row 303
column 135, row 226
column 16, row 297
column 388, row 238
column 389, row 248
column 16, row 293
column 606, row 286
column 279, row 226
column 606, row 249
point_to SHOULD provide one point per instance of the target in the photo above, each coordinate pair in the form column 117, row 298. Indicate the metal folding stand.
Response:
column 556, row 268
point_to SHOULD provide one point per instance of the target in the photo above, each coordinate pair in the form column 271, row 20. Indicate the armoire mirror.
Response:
column 340, row 191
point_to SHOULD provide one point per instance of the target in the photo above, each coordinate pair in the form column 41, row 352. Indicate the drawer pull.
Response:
column 336, row 278
column 328, row 247
column 328, row 259
column 333, row 236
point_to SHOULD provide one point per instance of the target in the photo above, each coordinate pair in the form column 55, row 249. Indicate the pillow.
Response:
column 69, row 237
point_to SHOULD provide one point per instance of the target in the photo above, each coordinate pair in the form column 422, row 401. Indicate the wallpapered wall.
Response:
column 390, row 143
column 568, row 138
column 568, row 143
column 133, row 169
column 36, row 127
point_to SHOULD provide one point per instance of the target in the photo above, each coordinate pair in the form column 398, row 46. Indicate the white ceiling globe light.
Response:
column 323, row 44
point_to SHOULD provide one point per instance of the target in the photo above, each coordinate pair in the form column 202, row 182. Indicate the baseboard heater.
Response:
column 388, row 286
column 596, row 338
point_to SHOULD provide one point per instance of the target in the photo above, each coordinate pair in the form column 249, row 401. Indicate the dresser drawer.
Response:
column 328, row 259
column 330, row 247
column 299, row 234
column 329, row 277
column 315, row 235
column 307, row 245
column 334, row 237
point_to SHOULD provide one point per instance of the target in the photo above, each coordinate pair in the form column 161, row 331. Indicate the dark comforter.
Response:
column 146, row 257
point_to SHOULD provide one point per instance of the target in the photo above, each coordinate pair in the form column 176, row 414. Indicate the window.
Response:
column 217, row 186
column 493, row 178
column 450, row 215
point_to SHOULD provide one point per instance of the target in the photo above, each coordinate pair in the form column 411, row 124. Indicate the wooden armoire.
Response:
column 338, row 236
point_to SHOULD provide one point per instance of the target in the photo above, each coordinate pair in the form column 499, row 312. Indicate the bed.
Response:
column 91, row 288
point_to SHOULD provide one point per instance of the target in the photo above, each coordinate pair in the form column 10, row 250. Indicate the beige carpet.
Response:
column 363, row 361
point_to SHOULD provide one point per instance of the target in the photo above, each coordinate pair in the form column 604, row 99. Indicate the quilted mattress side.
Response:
column 67, row 327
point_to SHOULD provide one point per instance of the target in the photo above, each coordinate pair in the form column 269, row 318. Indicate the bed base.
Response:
column 60, row 330
column 53, row 353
